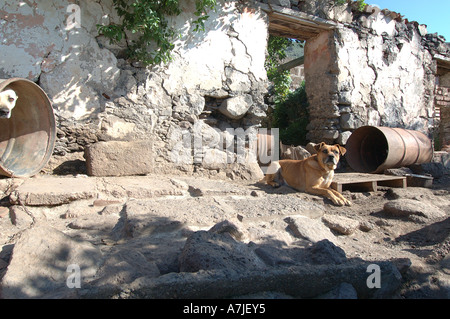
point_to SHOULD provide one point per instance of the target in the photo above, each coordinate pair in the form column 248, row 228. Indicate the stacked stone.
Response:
column 443, row 105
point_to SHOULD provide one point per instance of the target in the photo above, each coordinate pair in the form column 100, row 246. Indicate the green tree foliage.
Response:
column 281, row 80
column 290, row 113
column 361, row 4
column 291, row 117
column 148, row 20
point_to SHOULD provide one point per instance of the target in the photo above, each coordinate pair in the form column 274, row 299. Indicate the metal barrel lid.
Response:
column 27, row 139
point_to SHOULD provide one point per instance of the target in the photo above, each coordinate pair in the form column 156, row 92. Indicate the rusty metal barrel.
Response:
column 27, row 139
column 372, row 149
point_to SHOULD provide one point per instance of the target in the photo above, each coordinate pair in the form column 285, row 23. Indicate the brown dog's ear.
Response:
column 317, row 147
column 342, row 150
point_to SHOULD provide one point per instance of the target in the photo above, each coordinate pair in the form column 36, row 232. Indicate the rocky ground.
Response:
column 176, row 236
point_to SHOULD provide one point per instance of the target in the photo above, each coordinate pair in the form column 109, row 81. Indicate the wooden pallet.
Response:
column 365, row 182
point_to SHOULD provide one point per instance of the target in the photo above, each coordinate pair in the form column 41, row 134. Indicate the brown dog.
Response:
column 312, row 175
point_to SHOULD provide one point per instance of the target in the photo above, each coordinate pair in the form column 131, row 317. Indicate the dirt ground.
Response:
column 417, row 242
column 421, row 247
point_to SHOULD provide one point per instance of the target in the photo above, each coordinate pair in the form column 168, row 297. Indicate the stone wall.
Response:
column 372, row 79
column 297, row 76
column 443, row 106
column 216, row 80
column 374, row 68
column 378, row 73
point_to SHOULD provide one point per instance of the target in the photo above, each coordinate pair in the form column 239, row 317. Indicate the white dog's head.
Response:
column 8, row 100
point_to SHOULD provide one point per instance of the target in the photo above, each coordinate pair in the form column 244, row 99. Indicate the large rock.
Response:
column 124, row 266
column 341, row 224
column 208, row 250
column 39, row 267
column 307, row 228
column 236, row 107
column 408, row 207
column 303, row 281
column 322, row 252
column 119, row 158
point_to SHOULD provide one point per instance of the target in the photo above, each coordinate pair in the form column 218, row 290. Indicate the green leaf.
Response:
column 148, row 20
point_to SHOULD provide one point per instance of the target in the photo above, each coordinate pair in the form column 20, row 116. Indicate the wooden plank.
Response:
column 292, row 64
column 400, row 183
column 366, row 182
column 294, row 24
column 297, row 16
column 298, row 33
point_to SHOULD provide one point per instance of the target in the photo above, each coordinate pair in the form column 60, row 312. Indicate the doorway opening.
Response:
column 290, row 32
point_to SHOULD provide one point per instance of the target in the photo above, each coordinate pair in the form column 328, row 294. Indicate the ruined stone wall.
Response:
column 374, row 68
column 443, row 106
column 372, row 79
column 379, row 74
column 216, row 80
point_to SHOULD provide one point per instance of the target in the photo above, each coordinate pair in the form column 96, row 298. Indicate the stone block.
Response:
column 343, row 137
column 236, row 107
column 311, row 229
column 52, row 191
column 207, row 250
column 407, row 207
column 340, row 224
column 119, row 158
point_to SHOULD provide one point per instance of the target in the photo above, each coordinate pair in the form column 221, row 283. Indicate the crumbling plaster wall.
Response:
column 216, row 79
column 378, row 73
column 372, row 69
column 371, row 78
column 443, row 103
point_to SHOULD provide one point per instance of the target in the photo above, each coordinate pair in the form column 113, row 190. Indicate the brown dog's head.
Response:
column 8, row 100
column 328, row 155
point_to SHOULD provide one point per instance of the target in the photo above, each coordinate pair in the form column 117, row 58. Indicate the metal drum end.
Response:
column 372, row 149
column 27, row 138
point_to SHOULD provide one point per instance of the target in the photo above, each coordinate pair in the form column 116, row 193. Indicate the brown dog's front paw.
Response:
column 341, row 201
column 337, row 201
column 274, row 185
column 346, row 202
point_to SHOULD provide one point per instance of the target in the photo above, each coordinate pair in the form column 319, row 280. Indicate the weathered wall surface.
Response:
column 97, row 95
column 372, row 79
column 379, row 74
column 40, row 43
column 443, row 103
column 373, row 68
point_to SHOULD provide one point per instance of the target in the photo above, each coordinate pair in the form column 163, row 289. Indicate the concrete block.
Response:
column 119, row 158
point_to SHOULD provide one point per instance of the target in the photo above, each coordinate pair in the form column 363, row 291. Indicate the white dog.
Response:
column 8, row 100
